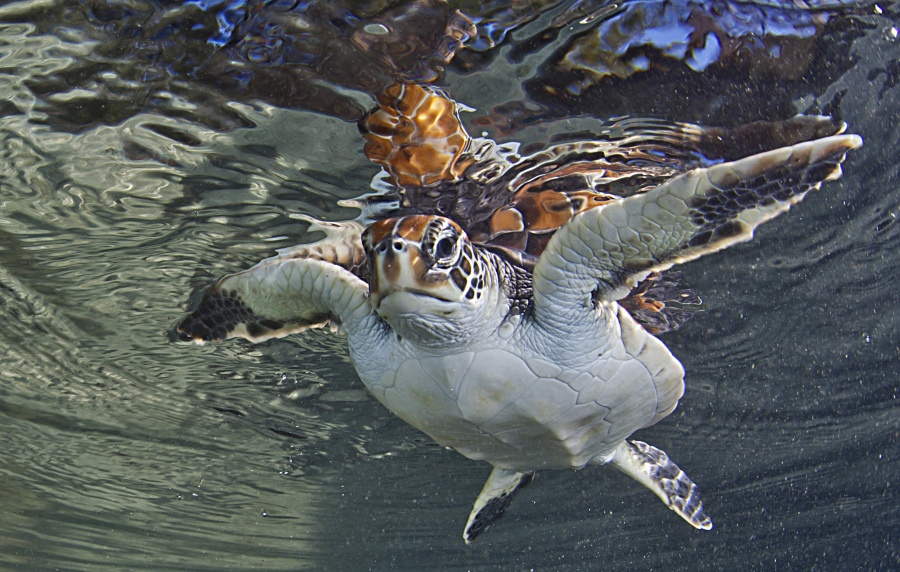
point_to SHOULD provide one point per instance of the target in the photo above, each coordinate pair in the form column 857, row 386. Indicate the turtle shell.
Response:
column 499, row 197
column 513, row 203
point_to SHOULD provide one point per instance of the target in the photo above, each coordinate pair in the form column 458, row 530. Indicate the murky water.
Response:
column 137, row 166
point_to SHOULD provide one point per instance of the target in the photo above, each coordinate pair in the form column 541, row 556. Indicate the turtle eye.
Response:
column 444, row 248
column 441, row 243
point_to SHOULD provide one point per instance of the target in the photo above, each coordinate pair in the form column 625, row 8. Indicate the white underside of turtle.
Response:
column 525, row 372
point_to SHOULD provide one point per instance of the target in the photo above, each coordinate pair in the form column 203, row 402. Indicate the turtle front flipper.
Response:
column 653, row 469
column 605, row 251
column 342, row 245
column 491, row 503
column 303, row 287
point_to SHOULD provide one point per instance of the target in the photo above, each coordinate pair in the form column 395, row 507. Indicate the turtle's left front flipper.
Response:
column 303, row 287
column 605, row 251
column 491, row 503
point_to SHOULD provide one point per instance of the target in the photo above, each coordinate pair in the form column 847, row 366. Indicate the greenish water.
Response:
column 130, row 180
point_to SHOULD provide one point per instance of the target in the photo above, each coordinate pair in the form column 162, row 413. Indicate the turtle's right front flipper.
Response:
column 279, row 296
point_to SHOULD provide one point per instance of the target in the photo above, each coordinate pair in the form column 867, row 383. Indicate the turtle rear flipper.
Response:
column 652, row 468
column 493, row 500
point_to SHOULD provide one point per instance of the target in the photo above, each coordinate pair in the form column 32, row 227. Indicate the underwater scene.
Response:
column 524, row 167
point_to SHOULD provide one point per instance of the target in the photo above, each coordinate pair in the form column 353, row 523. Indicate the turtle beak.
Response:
column 399, row 266
column 400, row 263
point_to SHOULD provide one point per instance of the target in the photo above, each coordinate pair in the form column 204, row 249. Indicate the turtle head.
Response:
column 426, row 279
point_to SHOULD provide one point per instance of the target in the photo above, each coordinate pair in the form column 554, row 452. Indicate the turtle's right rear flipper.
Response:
column 491, row 503
column 652, row 468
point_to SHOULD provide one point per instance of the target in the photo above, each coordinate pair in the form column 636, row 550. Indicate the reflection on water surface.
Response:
column 149, row 147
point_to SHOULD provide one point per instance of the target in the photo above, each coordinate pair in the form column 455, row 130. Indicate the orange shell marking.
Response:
column 416, row 135
column 410, row 227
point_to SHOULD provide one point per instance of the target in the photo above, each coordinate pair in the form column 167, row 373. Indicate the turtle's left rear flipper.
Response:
column 496, row 495
column 652, row 468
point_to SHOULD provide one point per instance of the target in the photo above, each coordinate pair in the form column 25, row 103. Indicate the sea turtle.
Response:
column 530, row 365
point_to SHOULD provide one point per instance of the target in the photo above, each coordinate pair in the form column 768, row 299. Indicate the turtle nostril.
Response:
column 382, row 247
column 398, row 246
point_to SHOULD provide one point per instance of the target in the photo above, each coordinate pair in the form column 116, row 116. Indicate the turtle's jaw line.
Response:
column 381, row 296
column 413, row 304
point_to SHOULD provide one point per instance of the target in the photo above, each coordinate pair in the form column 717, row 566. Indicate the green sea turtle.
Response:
column 531, row 366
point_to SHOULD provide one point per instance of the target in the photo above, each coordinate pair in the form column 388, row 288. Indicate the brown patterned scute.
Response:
column 417, row 136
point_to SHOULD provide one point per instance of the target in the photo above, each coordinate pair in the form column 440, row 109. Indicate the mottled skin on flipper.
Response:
column 653, row 468
column 702, row 211
column 495, row 497
column 236, row 307
column 222, row 313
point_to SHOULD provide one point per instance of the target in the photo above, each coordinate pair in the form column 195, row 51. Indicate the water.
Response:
column 133, row 174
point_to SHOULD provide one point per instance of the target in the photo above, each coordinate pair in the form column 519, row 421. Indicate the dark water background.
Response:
column 136, row 166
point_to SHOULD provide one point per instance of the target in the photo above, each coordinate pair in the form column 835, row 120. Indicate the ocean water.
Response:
column 150, row 147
